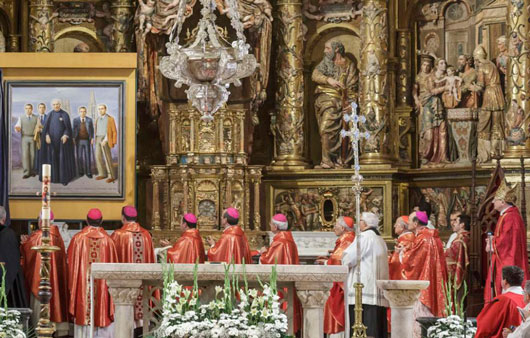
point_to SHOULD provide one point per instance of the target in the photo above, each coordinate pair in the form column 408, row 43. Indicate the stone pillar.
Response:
column 41, row 25
column 374, row 86
column 122, row 13
column 288, row 123
column 517, row 86
column 124, row 294
column 402, row 295
column 313, row 297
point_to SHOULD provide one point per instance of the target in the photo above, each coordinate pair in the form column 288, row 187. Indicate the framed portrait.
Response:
column 77, row 127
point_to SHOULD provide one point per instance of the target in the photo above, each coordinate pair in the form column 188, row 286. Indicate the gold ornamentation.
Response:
column 506, row 193
column 41, row 26
column 403, row 90
column 123, row 26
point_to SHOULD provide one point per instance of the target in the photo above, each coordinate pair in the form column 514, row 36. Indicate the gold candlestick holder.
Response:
column 358, row 329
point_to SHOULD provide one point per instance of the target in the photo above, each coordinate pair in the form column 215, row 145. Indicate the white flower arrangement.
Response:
column 451, row 326
column 246, row 313
column 10, row 326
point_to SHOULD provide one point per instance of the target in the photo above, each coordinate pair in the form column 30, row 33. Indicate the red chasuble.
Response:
column 233, row 244
column 91, row 245
column 58, row 274
column 395, row 268
column 457, row 258
column 134, row 245
column 334, row 309
column 500, row 313
column 187, row 249
column 509, row 248
column 426, row 261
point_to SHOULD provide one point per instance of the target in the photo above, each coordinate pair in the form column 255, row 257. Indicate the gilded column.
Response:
column 402, row 119
column 374, row 86
column 155, row 178
column 518, row 86
column 288, row 124
column 14, row 37
column 172, row 157
column 41, row 25
column 122, row 13
column 403, row 83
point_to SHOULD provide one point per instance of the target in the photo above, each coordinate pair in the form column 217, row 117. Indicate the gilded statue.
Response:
column 490, row 127
column 502, row 60
column 337, row 79
column 468, row 74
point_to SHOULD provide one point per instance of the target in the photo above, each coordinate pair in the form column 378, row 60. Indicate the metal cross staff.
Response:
column 355, row 135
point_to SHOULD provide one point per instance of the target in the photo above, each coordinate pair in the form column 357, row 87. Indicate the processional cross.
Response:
column 355, row 135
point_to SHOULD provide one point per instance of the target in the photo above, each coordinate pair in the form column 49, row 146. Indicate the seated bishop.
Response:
column 31, row 262
column 133, row 245
column 189, row 247
column 90, row 245
column 233, row 245
column 502, row 312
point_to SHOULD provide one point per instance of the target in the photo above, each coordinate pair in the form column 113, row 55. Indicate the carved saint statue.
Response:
column 490, row 127
column 502, row 60
column 468, row 96
column 337, row 79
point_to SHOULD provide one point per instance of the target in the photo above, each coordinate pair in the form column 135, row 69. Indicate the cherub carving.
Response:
column 146, row 9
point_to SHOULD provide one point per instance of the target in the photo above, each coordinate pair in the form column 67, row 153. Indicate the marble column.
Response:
column 374, row 87
column 124, row 294
column 287, row 124
column 41, row 25
column 402, row 295
column 518, row 80
column 313, row 297
column 122, row 12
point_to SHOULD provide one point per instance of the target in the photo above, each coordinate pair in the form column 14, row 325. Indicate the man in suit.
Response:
column 26, row 127
column 41, row 120
column 106, row 139
column 83, row 135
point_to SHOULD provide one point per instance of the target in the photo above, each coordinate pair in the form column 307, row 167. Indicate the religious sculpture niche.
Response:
column 334, row 11
column 337, row 85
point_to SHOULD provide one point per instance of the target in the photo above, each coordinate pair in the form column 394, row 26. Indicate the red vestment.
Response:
column 426, row 261
column 90, row 245
column 283, row 250
column 334, row 309
column 31, row 261
column 187, row 249
column 232, row 245
column 395, row 268
column 134, row 245
column 509, row 248
column 500, row 313
column 457, row 258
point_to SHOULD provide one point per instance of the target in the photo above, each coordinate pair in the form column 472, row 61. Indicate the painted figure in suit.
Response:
column 26, row 127
column 41, row 120
column 83, row 135
column 106, row 139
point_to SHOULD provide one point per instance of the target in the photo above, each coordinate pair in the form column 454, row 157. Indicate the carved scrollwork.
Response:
column 124, row 296
column 312, row 298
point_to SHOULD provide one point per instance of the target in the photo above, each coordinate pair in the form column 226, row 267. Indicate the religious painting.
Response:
column 77, row 127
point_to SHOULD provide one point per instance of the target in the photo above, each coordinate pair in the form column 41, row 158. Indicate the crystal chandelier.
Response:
column 209, row 64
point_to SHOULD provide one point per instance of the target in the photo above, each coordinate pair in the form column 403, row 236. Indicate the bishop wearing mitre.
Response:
column 189, row 247
column 31, row 262
column 90, row 245
column 133, row 245
column 233, row 245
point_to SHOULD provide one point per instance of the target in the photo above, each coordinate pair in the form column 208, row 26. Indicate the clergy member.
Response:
column 233, row 244
column 133, row 245
column 403, row 243
column 31, row 260
column 523, row 330
column 425, row 260
column 452, row 218
column 457, row 256
column 90, row 245
column 502, row 312
column 508, row 246
column 189, row 247
column 334, row 320
column 283, row 250
column 374, row 266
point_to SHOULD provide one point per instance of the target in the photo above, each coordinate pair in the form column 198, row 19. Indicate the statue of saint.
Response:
column 502, row 60
column 490, row 127
column 337, row 79
column 468, row 95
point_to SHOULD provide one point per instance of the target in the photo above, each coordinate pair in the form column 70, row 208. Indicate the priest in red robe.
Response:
column 508, row 245
column 283, row 250
column 334, row 309
column 189, row 247
column 133, row 245
column 425, row 260
column 90, row 245
column 233, row 245
column 403, row 243
column 31, row 262
column 502, row 311
column 457, row 255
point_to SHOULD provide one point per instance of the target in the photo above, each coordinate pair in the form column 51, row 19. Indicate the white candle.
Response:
column 46, row 169
column 46, row 214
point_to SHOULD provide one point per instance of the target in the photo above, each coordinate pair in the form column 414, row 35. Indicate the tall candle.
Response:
column 46, row 169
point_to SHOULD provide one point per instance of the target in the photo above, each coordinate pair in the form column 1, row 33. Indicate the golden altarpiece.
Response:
column 422, row 72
